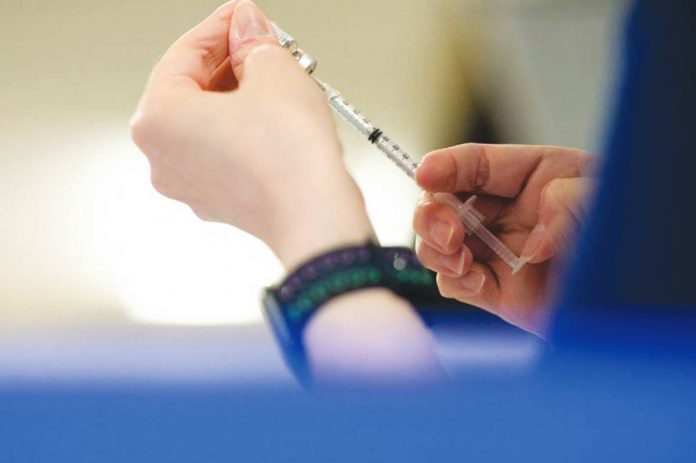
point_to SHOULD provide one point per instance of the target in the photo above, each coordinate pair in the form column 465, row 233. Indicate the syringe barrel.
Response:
column 469, row 216
column 351, row 115
column 397, row 155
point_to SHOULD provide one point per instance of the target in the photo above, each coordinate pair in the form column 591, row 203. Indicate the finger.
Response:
column 500, row 170
column 193, row 59
column 478, row 287
column 223, row 79
column 453, row 265
column 250, row 30
column 438, row 226
column 562, row 208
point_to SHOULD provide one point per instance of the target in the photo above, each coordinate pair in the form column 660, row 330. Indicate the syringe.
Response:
column 468, row 215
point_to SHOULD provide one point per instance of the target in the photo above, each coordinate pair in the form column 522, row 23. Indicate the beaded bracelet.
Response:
column 291, row 305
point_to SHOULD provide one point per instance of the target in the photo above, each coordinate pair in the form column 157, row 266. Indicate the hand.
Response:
column 233, row 127
column 533, row 199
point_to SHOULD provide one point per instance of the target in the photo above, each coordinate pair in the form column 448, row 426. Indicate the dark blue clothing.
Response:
column 634, row 275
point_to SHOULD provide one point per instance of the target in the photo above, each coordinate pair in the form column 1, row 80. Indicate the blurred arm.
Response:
column 371, row 336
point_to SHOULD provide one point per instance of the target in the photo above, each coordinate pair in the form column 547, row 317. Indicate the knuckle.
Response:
column 419, row 248
column 430, row 263
column 443, row 287
column 266, row 63
column 426, row 256
column 476, row 166
column 266, row 49
column 422, row 254
column 444, row 162
column 254, row 51
column 552, row 189
column 206, row 55
column 143, row 127
column 418, row 218
column 160, row 183
column 558, row 200
column 269, row 47
column 202, row 214
column 479, row 157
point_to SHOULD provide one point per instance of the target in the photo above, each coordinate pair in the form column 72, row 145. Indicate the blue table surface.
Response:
column 584, row 405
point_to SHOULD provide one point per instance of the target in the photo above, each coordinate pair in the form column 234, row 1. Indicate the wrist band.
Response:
column 291, row 305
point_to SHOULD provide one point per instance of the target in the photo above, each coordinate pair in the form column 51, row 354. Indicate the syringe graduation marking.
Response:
column 375, row 136
column 470, row 217
column 467, row 214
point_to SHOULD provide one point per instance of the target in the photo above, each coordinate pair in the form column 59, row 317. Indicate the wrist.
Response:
column 361, row 288
column 317, row 221
column 371, row 336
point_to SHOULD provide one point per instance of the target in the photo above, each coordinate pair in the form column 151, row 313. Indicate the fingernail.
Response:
column 473, row 281
column 248, row 21
column 534, row 242
column 455, row 263
column 441, row 234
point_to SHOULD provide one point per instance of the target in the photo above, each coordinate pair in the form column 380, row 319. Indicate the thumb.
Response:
column 562, row 209
column 250, row 29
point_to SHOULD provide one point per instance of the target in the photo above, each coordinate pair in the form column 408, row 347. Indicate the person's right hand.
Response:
column 533, row 198
column 233, row 127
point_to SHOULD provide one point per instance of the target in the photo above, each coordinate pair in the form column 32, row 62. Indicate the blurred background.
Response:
column 101, row 278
